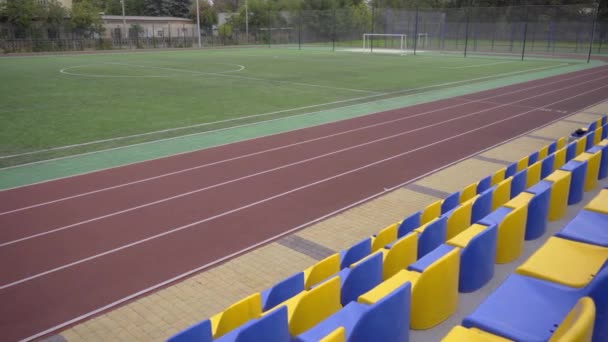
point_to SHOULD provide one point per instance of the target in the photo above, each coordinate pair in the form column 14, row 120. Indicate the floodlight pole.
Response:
column 124, row 19
column 247, row 21
column 198, row 22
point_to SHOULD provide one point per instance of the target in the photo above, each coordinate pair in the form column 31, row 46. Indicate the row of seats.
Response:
column 413, row 270
column 560, row 293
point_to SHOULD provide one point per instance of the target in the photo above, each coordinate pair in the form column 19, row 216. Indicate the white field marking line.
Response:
column 63, row 71
column 249, row 124
column 289, row 145
column 177, row 229
column 478, row 65
column 287, row 232
column 194, row 72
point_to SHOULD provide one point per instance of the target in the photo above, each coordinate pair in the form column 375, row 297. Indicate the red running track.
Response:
column 72, row 247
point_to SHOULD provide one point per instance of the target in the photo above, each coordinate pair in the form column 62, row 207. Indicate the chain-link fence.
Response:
column 515, row 30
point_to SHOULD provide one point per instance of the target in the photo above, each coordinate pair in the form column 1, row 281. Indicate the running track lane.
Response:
column 50, row 299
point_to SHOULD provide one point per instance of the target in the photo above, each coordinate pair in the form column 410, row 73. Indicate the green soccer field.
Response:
column 50, row 102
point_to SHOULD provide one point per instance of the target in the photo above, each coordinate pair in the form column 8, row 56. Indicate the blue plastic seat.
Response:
column 409, row 224
column 518, row 184
column 199, row 332
column 432, row 236
column 282, row 291
column 482, row 205
column 361, row 278
column 590, row 138
column 538, row 210
column 386, row 320
column 570, row 151
column 552, row 148
column 510, row 170
column 588, row 227
column 355, row 253
column 547, row 166
column 578, row 171
column 272, row 327
column 533, row 158
column 529, row 309
column 603, row 171
column 450, row 202
column 478, row 248
column 484, row 184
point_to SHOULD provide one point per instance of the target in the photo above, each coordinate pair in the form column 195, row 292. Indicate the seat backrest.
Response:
column 409, row 224
column 498, row 176
column 272, row 327
column 400, row 255
column 468, row 192
column 522, row 164
column 543, row 152
column 282, row 291
column 578, row 324
column 518, row 184
column 356, row 252
column 430, row 212
column 547, row 166
column 502, row 193
column 362, row 277
column 431, row 236
column 484, row 184
column 533, row 158
column 482, row 205
column 450, row 202
column 459, row 219
column 237, row 314
column 314, row 306
column 387, row 320
column 199, row 332
column 384, row 237
column 560, row 158
column 533, row 175
column 321, row 270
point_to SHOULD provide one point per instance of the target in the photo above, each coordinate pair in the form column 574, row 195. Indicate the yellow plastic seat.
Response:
column 580, row 145
column 598, row 134
column 593, row 168
column 462, row 334
column 468, row 192
column 560, row 159
column 400, row 255
column 603, row 142
column 434, row 291
column 384, row 237
column 502, row 193
column 498, row 176
column 511, row 222
column 560, row 189
column 236, row 315
column 533, row 174
column 460, row 219
column 314, row 306
column 565, row 262
column 522, row 164
column 337, row 335
column 543, row 152
column 578, row 324
column 321, row 270
column 561, row 143
column 599, row 203
column 431, row 212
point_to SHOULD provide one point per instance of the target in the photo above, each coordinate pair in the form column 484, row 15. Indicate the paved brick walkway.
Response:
column 163, row 313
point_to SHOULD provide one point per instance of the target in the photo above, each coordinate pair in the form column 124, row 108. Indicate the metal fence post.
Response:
column 416, row 32
column 333, row 33
column 523, row 48
column 300, row 30
column 371, row 38
column 466, row 33
column 269, row 29
column 597, row 10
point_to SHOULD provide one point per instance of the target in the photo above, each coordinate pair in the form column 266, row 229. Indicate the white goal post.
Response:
column 367, row 36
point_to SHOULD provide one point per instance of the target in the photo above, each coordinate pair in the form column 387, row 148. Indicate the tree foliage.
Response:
column 208, row 14
column 170, row 8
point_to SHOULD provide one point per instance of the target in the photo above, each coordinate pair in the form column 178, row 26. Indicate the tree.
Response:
column 171, row 8
column 21, row 14
column 179, row 8
column 207, row 12
column 55, row 15
column 85, row 17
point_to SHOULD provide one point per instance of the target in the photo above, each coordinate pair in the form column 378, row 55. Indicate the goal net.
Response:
column 385, row 41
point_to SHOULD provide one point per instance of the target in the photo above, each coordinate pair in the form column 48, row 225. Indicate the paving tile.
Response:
column 456, row 177
column 516, row 149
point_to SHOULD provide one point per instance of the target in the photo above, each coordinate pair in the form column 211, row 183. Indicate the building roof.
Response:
column 144, row 18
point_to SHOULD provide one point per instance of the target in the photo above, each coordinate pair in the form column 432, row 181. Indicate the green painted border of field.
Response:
column 27, row 174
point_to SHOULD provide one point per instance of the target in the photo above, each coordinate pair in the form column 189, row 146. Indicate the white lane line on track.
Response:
column 282, row 147
column 244, row 125
column 177, row 229
column 290, row 231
